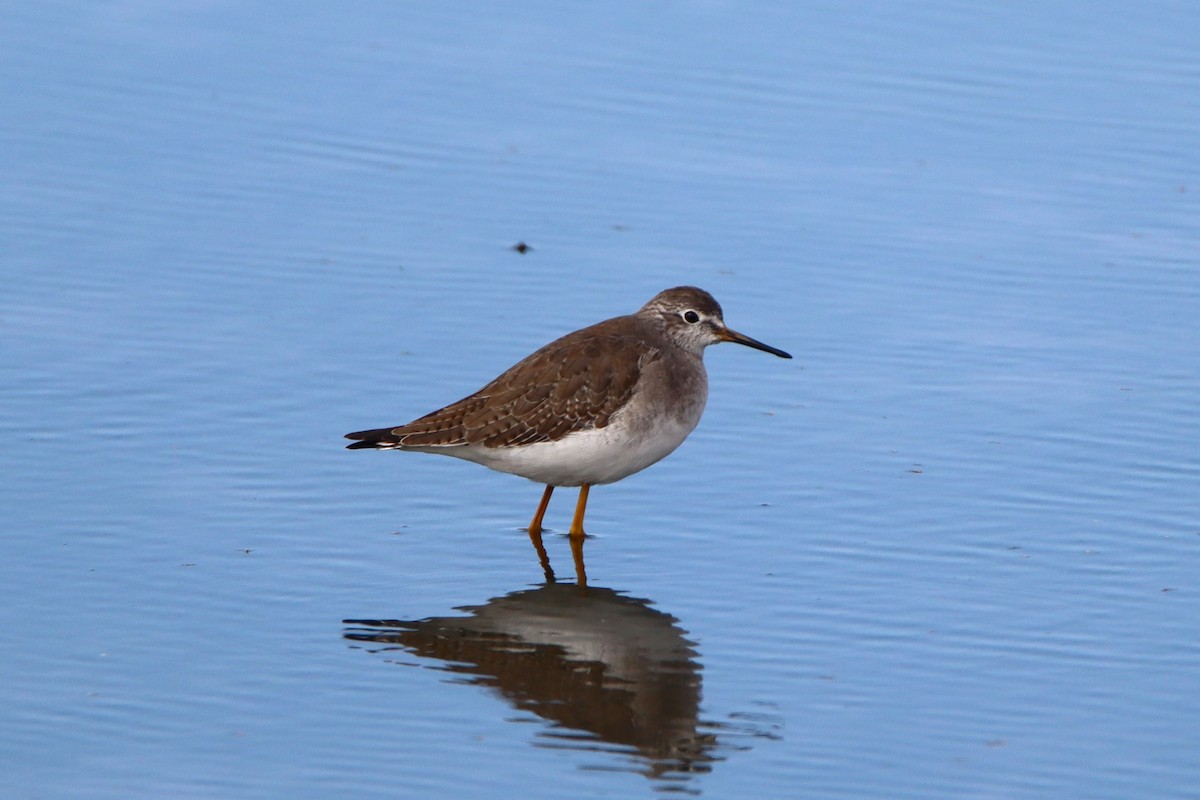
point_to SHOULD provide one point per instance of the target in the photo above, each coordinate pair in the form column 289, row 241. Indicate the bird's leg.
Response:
column 535, row 534
column 580, row 508
column 535, row 527
column 576, row 536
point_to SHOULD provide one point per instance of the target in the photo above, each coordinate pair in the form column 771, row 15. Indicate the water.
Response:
column 951, row 550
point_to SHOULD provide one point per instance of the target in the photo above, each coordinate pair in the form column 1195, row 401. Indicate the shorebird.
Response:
column 588, row 409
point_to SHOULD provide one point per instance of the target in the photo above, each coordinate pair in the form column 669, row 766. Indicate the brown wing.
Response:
column 574, row 383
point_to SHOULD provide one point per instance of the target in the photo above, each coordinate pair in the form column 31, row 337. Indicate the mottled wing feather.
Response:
column 575, row 383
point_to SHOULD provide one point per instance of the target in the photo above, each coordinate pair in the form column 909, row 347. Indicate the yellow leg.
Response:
column 535, row 534
column 535, row 527
column 580, row 508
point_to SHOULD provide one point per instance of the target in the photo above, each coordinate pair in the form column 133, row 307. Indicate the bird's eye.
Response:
column 691, row 316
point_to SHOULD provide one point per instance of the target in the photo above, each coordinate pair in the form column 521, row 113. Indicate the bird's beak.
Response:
column 730, row 335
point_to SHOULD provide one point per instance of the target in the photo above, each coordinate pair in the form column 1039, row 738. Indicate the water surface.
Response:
column 950, row 550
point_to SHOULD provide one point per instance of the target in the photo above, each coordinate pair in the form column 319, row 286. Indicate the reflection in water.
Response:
column 589, row 660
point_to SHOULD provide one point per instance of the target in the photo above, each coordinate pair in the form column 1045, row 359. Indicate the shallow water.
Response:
column 950, row 550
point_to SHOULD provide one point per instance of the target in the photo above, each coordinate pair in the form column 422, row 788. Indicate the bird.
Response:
column 588, row 409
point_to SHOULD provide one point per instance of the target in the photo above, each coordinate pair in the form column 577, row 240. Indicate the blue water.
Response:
column 951, row 550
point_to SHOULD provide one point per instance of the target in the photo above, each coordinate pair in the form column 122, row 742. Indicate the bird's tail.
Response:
column 378, row 439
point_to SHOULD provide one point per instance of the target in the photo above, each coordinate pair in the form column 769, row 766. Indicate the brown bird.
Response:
column 590, row 408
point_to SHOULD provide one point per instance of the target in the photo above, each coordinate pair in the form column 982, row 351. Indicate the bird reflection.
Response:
column 535, row 536
column 610, row 673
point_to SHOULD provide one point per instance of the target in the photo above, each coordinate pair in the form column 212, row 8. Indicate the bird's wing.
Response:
column 574, row 383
